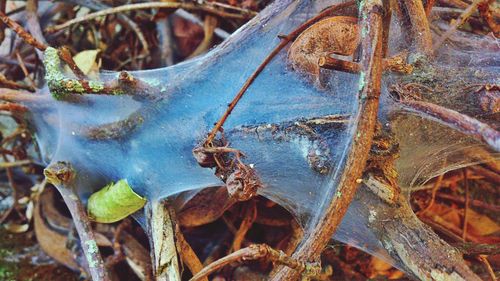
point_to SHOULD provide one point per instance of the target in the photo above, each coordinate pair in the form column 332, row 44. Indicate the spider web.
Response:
column 156, row 157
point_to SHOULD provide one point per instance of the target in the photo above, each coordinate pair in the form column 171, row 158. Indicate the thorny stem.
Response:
column 62, row 175
column 284, row 41
column 259, row 252
column 370, row 22
column 149, row 5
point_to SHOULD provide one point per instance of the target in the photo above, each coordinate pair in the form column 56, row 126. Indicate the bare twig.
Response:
column 4, row 82
column 458, row 22
column 258, row 252
column 487, row 264
column 396, row 63
column 420, row 30
column 473, row 202
column 456, row 120
column 187, row 254
column 284, row 41
column 435, row 189
column 5, row 165
column 488, row 15
column 148, row 5
column 466, row 208
column 25, row 70
column 62, row 176
column 21, row 32
column 369, row 92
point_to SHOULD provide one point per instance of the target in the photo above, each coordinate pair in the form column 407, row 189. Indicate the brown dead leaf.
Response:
column 379, row 267
column 337, row 35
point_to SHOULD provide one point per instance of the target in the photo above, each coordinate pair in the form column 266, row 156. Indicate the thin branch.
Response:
column 420, row 30
column 62, row 176
column 4, row 82
column 466, row 208
column 474, row 202
column 6, row 165
column 458, row 22
column 435, row 189
column 187, row 253
column 142, row 6
column 284, row 41
column 21, row 32
column 259, row 252
column 25, row 70
column 456, row 120
column 364, row 122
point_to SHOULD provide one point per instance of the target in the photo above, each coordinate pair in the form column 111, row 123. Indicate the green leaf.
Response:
column 114, row 202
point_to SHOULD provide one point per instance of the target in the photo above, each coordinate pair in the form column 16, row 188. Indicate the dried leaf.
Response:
column 17, row 228
column 337, row 35
column 114, row 202
column 480, row 224
column 29, row 210
column 379, row 267
column 86, row 61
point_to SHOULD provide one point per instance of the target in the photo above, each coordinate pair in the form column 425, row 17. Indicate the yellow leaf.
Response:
column 481, row 224
column 86, row 61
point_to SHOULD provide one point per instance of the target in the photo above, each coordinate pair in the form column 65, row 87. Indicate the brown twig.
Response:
column 258, row 252
column 62, row 176
column 420, row 30
column 4, row 82
column 248, row 219
column 489, row 269
column 435, row 188
column 473, row 202
column 67, row 57
column 395, row 63
column 25, row 70
column 147, row 5
column 369, row 92
column 466, row 208
column 458, row 22
column 456, row 120
column 284, row 41
column 21, row 32
column 187, row 254
column 487, row 14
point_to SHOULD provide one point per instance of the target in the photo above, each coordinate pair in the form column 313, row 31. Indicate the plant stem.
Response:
column 370, row 20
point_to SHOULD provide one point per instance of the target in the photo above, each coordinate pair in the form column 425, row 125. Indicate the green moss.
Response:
column 61, row 86
column 92, row 249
